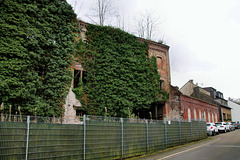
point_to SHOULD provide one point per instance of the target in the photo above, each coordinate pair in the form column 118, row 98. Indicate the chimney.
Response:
column 191, row 80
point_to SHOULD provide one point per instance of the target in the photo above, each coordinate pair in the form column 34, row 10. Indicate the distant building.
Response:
column 235, row 110
column 209, row 95
column 224, row 109
column 186, row 107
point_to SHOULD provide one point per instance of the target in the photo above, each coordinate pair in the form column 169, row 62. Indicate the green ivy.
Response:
column 120, row 76
column 36, row 46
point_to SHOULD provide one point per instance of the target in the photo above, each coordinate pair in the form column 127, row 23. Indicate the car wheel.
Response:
column 213, row 134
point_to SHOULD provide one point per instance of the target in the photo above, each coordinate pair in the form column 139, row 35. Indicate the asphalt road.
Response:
column 225, row 146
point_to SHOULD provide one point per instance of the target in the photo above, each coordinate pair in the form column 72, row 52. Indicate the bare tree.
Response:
column 141, row 29
column 102, row 11
column 120, row 21
column 147, row 24
column 78, row 7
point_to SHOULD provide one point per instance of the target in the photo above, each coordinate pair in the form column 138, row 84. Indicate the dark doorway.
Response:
column 154, row 112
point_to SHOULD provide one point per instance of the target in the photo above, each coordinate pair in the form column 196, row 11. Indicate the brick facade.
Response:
column 183, row 107
column 199, row 109
column 161, row 52
column 209, row 95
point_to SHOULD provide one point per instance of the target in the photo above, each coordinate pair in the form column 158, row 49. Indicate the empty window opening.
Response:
column 161, row 84
column 200, row 114
column 159, row 62
column 79, row 75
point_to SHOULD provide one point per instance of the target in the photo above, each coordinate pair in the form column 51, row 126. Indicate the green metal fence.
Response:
column 37, row 138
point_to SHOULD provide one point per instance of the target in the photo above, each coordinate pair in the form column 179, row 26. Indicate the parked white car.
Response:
column 231, row 126
column 236, row 124
column 212, row 129
column 222, row 126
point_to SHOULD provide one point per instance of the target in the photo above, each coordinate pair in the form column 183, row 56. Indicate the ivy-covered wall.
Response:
column 120, row 75
column 36, row 46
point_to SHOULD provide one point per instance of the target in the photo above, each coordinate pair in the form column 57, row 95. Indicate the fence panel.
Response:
column 134, row 138
column 156, row 136
column 55, row 141
column 103, row 138
column 199, row 130
column 202, row 129
column 172, row 134
column 12, row 140
column 185, row 129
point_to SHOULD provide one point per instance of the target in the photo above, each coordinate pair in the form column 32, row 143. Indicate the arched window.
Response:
column 216, row 119
column 212, row 118
column 161, row 84
column 204, row 116
column 209, row 119
column 200, row 114
column 195, row 114
column 189, row 115
column 159, row 62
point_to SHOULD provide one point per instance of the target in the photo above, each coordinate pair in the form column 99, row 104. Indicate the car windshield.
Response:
column 208, row 124
column 218, row 124
column 233, row 122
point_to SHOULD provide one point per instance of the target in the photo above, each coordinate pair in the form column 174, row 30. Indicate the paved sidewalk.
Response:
column 170, row 152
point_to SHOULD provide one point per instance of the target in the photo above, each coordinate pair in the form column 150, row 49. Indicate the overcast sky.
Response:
column 203, row 35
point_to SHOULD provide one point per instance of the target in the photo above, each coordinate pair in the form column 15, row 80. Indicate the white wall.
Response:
column 235, row 110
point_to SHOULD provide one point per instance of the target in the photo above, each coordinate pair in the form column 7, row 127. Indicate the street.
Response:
column 225, row 146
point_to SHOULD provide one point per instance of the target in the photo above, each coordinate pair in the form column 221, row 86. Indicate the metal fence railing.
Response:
column 36, row 138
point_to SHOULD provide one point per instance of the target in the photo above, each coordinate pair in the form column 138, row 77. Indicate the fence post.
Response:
column 191, row 131
column 179, row 129
column 199, row 129
column 28, row 124
column 121, row 120
column 84, row 137
column 147, row 134
column 165, row 133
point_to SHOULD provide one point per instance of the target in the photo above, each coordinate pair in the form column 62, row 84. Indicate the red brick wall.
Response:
column 161, row 52
column 198, row 105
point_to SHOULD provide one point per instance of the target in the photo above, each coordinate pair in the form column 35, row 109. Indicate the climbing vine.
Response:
column 120, row 76
column 36, row 46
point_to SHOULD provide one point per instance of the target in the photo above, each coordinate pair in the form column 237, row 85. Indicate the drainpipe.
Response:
column 220, row 112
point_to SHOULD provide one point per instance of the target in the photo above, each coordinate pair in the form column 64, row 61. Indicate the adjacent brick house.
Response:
column 185, row 107
column 211, row 96
column 196, row 109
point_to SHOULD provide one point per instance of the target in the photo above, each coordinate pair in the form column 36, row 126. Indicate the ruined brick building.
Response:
column 177, row 107
column 160, row 51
